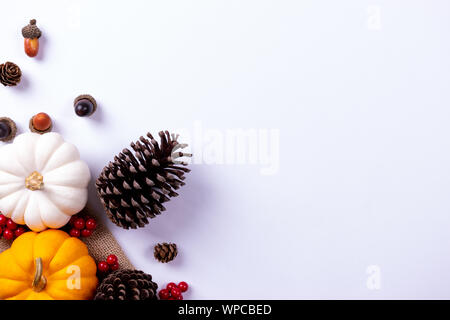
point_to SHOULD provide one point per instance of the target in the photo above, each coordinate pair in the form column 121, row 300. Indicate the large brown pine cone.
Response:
column 135, row 185
column 165, row 252
column 127, row 285
column 10, row 74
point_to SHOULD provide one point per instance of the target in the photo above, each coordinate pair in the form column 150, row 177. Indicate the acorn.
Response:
column 8, row 129
column 41, row 123
column 31, row 33
column 84, row 105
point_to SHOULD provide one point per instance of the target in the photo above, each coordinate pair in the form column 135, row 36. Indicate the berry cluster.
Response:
column 82, row 226
column 111, row 264
column 9, row 229
column 173, row 291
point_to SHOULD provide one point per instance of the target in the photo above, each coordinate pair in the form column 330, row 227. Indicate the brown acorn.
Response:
column 31, row 33
column 41, row 123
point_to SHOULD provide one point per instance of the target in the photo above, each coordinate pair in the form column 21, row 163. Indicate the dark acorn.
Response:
column 85, row 105
column 7, row 129
column 84, row 108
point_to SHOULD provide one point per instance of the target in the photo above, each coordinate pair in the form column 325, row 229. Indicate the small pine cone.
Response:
column 10, row 74
column 134, row 186
column 127, row 285
column 165, row 252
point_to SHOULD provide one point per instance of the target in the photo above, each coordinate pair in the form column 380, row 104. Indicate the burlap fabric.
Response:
column 101, row 244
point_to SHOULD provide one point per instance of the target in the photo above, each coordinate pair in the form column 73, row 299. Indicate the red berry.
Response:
column 3, row 220
column 179, row 297
column 103, row 266
column 114, row 266
column 11, row 225
column 91, row 224
column 183, row 286
column 74, row 233
column 164, row 294
column 72, row 220
column 19, row 231
column 1, row 231
column 112, row 259
column 175, row 292
column 8, row 234
column 86, row 233
column 79, row 223
column 170, row 286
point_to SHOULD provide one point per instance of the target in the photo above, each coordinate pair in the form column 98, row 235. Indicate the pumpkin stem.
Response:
column 39, row 281
column 35, row 181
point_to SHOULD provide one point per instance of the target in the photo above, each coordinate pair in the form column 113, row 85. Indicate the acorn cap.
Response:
column 33, row 129
column 31, row 31
column 13, row 127
column 88, row 97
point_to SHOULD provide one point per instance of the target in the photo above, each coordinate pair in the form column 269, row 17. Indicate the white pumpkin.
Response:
column 43, row 182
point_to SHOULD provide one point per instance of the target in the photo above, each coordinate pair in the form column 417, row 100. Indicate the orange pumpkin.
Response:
column 49, row 265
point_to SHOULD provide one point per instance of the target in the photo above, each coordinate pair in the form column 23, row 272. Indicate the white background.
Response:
column 358, row 91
